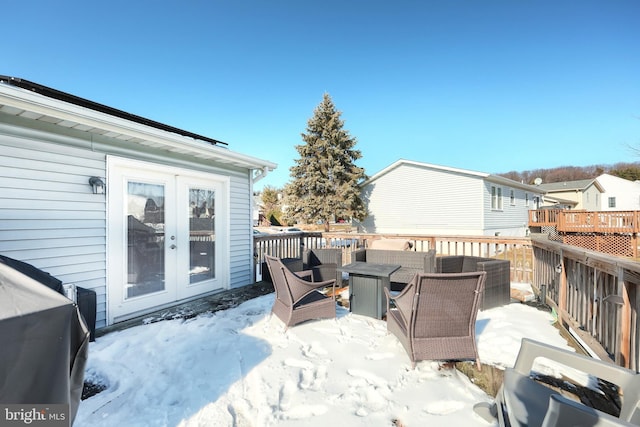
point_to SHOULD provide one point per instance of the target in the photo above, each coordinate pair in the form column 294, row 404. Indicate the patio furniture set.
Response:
column 432, row 289
column 434, row 317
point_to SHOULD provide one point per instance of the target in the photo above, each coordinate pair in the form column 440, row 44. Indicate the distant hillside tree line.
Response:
column 630, row 171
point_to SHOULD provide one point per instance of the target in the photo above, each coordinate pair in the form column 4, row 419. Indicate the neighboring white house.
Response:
column 584, row 194
column 144, row 214
column 411, row 197
column 257, row 208
column 619, row 194
column 604, row 193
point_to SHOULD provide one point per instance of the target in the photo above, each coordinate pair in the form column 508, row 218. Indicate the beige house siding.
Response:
column 591, row 199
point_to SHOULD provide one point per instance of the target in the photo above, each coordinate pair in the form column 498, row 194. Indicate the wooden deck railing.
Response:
column 586, row 221
column 517, row 250
column 596, row 296
column 543, row 217
column 612, row 232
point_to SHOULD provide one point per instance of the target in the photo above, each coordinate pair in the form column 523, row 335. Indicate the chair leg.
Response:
column 487, row 411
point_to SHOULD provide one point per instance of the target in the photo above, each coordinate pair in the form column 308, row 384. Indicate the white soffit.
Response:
column 24, row 103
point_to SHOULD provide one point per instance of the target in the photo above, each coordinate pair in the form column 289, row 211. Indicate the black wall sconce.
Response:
column 97, row 184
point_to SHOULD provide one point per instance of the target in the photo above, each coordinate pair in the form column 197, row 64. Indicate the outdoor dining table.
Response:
column 366, row 283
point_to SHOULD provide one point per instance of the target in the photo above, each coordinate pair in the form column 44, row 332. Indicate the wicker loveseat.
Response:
column 497, row 290
column 410, row 263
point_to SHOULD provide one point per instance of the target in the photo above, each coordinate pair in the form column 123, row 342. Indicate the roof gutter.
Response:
column 72, row 99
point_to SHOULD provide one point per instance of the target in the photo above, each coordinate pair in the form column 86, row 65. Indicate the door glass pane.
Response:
column 145, row 235
column 201, row 235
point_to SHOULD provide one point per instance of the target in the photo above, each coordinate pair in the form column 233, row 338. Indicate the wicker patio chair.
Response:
column 434, row 316
column 324, row 263
column 297, row 299
column 497, row 287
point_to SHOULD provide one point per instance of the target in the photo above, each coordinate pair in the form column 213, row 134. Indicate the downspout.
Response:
column 256, row 175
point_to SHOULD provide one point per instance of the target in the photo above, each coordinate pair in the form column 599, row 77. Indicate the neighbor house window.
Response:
column 612, row 202
column 496, row 198
column 512, row 197
column 526, row 199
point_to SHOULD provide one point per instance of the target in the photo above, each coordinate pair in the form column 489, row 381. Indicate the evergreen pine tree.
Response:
column 325, row 180
column 271, row 205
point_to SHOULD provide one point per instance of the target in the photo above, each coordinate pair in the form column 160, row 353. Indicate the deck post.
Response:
column 625, row 327
column 562, row 292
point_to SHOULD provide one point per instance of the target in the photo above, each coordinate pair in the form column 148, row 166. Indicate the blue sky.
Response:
column 491, row 86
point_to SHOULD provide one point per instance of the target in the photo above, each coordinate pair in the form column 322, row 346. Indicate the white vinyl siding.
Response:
column 512, row 219
column 413, row 199
column 49, row 217
column 421, row 199
column 625, row 193
column 241, row 241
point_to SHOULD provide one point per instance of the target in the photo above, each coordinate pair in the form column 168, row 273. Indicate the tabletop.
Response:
column 369, row 268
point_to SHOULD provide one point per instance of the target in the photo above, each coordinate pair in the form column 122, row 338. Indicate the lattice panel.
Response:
column 552, row 231
column 581, row 240
column 614, row 244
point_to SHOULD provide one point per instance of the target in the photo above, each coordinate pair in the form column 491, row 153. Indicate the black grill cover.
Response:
column 45, row 343
column 35, row 273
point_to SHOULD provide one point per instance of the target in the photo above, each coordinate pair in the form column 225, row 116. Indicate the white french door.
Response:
column 167, row 234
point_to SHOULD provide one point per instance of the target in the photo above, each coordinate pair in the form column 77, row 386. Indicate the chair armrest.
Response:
column 565, row 412
column 430, row 261
column 389, row 297
column 300, row 287
column 304, row 274
column 530, row 350
column 626, row 379
column 404, row 300
column 327, row 283
column 317, row 285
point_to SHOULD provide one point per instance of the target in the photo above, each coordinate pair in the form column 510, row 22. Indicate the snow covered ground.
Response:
column 240, row 367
